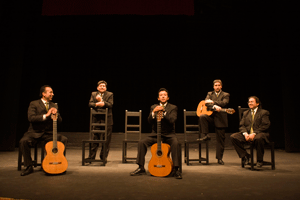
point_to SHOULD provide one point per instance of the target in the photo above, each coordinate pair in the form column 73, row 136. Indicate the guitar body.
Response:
column 202, row 109
column 55, row 162
column 160, row 164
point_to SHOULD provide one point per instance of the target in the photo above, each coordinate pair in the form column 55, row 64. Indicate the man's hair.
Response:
column 102, row 81
column 163, row 89
column 43, row 88
column 217, row 80
column 256, row 99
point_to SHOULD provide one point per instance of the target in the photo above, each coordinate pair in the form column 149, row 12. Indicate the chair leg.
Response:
column 124, row 147
column 83, row 153
column 272, row 156
column 19, row 159
column 187, row 154
column 207, row 152
column 200, row 155
column 180, row 159
column 251, row 155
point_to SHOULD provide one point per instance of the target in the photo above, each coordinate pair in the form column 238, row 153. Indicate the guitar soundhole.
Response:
column 54, row 150
column 159, row 153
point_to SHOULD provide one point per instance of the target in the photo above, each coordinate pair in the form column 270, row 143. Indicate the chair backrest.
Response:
column 137, row 127
column 93, row 125
column 241, row 111
column 190, row 128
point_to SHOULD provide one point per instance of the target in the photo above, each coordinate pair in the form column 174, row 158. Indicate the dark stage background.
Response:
column 246, row 45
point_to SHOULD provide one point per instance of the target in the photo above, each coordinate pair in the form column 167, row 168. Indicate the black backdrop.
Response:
column 137, row 55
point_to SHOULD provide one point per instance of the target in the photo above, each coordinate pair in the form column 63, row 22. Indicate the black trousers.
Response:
column 238, row 140
column 28, row 141
column 150, row 140
column 204, row 122
column 98, row 136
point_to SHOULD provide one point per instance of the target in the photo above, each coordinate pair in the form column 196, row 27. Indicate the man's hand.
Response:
column 51, row 111
column 98, row 98
column 158, row 108
column 100, row 104
column 218, row 108
column 251, row 137
column 209, row 101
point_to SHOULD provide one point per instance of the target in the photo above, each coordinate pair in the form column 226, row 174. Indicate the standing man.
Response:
column 215, row 101
column 167, row 133
column 100, row 100
column 41, row 125
column 254, row 127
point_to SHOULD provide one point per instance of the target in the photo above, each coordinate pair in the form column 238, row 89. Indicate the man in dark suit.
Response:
column 41, row 125
column 100, row 100
column 215, row 101
column 167, row 133
column 254, row 126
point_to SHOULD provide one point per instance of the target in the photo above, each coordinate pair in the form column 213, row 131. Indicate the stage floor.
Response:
column 112, row 181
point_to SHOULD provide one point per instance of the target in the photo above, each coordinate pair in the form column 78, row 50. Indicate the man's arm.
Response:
column 92, row 102
column 265, row 123
column 32, row 113
column 224, row 101
column 171, row 115
column 109, row 102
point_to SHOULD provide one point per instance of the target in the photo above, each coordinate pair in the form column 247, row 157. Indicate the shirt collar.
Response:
column 255, row 110
column 218, row 93
column 163, row 105
column 44, row 101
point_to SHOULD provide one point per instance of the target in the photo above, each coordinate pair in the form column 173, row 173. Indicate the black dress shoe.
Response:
column 27, row 171
column 177, row 174
column 259, row 164
column 245, row 160
column 205, row 138
column 221, row 162
column 138, row 171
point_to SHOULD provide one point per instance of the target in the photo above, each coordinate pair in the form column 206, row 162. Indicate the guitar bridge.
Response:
column 159, row 166
column 54, row 163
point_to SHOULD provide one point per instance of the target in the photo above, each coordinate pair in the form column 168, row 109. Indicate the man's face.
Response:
column 101, row 88
column 252, row 103
column 217, row 87
column 48, row 94
column 163, row 97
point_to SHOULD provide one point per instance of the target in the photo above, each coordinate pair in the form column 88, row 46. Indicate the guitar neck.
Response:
column 54, row 134
column 158, row 135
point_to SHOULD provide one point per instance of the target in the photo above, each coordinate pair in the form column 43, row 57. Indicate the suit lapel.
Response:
column 42, row 105
column 256, row 115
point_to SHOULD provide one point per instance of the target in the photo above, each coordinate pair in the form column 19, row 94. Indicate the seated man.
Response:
column 167, row 133
column 41, row 125
column 254, row 126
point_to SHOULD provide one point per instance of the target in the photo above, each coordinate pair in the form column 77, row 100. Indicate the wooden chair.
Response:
column 135, row 135
column 90, row 141
column 193, row 129
column 35, row 158
column 252, row 146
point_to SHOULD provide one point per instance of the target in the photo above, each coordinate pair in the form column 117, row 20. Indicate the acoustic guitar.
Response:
column 202, row 109
column 160, row 164
column 55, row 161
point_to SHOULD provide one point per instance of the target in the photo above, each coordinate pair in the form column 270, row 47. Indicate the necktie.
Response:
column 47, row 106
column 251, row 129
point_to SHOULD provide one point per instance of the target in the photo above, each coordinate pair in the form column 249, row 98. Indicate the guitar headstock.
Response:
column 54, row 117
column 230, row 110
column 159, row 115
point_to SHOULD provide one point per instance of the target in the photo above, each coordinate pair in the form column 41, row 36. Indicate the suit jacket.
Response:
column 261, row 122
column 108, row 98
column 220, row 118
column 38, row 126
column 167, row 122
